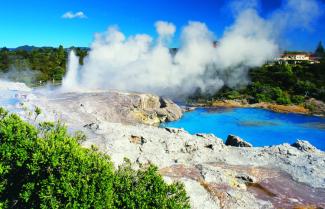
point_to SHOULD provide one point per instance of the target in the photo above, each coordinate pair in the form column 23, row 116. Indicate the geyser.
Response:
column 144, row 64
column 70, row 81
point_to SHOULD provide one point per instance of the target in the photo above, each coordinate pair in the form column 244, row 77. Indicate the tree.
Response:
column 144, row 189
column 61, row 56
column 81, row 53
column 58, row 73
column 320, row 50
column 4, row 59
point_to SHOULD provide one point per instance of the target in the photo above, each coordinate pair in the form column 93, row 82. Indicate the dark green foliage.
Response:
column 228, row 93
column 144, row 189
column 45, row 167
column 281, row 84
column 4, row 59
column 81, row 53
column 52, row 171
column 37, row 111
column 46, row 63
column 320, row 50
column 297, row 99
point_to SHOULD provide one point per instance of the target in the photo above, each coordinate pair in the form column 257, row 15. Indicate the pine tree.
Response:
column 320, row 50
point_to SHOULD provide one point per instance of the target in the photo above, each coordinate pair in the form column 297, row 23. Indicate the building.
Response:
column 297, row 57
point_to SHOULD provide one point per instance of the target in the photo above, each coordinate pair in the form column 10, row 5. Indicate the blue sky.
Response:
column 40, row 22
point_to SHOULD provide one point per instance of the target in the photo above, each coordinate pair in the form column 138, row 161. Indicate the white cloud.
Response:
column 71, row 15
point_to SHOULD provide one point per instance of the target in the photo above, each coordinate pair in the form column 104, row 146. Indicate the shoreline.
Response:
column 297, row 109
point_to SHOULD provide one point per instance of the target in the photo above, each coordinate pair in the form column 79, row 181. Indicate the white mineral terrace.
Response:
column 215, row 175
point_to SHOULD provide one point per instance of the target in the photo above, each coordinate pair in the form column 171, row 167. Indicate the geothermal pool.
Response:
column 257, row 126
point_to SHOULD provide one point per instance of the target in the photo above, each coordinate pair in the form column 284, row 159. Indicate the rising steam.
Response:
column 141, row 63
column 69, row 82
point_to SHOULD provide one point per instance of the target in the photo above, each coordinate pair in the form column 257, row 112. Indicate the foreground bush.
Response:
column 46, row 168
column 145, row 189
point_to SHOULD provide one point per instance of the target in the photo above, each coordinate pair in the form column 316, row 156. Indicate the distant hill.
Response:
column 31, row 48
column 24, row 48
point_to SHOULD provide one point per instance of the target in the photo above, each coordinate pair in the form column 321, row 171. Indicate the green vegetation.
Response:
column 37, row 111
column 320, row 52
column 45, row 167
column 43, row 64
column 146, row 189
column 277, row 83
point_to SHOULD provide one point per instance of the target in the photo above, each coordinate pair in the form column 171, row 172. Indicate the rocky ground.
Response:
column 215, row 175
column 310, row 107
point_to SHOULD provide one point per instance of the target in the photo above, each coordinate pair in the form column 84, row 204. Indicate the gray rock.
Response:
column 117, row 107
column 175, row 130
column 245, row 178
column 190, row 146
column 205, row 136
column 236, row 141
column 304, row 146
column 169, row 110
column 92, row 126
column 209, row 146
column 318, row 106
column 137, row 140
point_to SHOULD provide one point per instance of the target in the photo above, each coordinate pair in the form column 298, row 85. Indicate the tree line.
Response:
column 47, row 63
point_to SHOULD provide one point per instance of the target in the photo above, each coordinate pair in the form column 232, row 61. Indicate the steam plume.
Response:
column 140, row 63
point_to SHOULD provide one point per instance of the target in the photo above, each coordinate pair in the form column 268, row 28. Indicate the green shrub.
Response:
column 263, row 98
column 233, row 94
column 145, row 189
column 298, row 99
column 50, row 172
column 311, row 106
column 45, row 167
column 283, row 100
column 280, row 96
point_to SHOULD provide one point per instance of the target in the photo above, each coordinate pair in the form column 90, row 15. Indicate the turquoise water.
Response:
column 257, row 126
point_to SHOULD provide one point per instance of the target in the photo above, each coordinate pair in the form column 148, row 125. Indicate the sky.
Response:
column 74, row 22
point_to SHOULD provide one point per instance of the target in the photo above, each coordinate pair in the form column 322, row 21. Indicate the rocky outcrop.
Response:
column 311, row 107
column 13, row 86
column 236, row 141
column 92, row 126
column 304, row 146
column 117, row 107
column 137, row 140
column 165, row 109
column 316, row 107
column 300, row 109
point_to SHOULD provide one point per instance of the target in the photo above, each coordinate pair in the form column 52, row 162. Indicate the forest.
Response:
column 37, row 65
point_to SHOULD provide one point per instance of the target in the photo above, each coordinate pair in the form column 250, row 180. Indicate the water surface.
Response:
column 258, row 126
